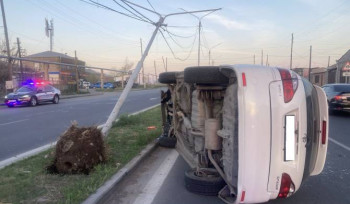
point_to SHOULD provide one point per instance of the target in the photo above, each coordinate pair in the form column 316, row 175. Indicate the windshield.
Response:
column 342, row 88
column 25, row 89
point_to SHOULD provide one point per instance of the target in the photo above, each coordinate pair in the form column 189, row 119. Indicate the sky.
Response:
column 234, row 34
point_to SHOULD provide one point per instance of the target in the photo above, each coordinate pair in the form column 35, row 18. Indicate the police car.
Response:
column 32, row 94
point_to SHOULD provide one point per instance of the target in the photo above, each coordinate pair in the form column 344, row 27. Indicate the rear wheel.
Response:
column 10, row 105
column 205, row 75
column 33, row 101
column 204, row 182
column 167, row 78
column 55, row 99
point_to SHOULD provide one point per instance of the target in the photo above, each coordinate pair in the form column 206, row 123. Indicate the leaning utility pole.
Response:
column 310, row 63
column 291, row 53
column 76, row 70
column 20, row 56
column 7, row 41
column 113, row 116
column 143, row 68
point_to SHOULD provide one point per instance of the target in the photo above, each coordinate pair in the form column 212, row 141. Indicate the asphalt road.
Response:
column 25, row 128
column 331, row 186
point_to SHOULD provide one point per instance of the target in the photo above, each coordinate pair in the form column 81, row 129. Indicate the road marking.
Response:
column 17, row 121
column 153, row 98
column 338, row 143
column 152, row 187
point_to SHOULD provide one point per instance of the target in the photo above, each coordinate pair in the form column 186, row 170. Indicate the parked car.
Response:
column 86, row 84
column 338, row 97
column 108, row 85
column 250, row 133
column 33, row 94
column 97, row 85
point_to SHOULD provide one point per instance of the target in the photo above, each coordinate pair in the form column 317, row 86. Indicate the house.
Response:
column 318, row 74
column 56, row 74
column 343, row 69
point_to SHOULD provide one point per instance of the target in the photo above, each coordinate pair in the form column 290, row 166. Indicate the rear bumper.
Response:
column 339, row 106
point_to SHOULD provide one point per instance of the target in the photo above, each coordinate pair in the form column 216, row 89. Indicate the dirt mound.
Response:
column 78, row 150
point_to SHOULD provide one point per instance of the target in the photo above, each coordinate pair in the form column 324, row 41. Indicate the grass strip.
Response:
column 27, row 181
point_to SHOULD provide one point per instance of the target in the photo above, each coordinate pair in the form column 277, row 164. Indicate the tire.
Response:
column 208, row 186
column 167, row 78
column 56, row 99
column 10, row 106
column 165, row 141
column 205, row 75
column 33, row 101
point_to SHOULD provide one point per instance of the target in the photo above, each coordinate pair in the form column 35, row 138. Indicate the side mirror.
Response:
column 40, row 91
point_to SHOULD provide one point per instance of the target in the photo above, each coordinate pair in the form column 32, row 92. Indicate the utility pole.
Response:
column 310, row 63
column 291, row 53
column 199, row 31
column 20, row 56
column 254, row 58
column 143, row 68
column 7, row 41
column 267, row 60
column 329, row 58
column 210, row 51
column 155, row 70
column 76, row 70
column 164, row 64
column 199, row 41
column 262, row 57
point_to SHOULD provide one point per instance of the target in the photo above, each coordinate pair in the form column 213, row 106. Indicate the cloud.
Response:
column 228, row 23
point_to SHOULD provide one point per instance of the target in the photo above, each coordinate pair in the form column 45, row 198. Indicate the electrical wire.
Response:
column 127, row 9
column 176, row 42
column 172, row 52
column 180, row 36
column 151, row 5
column 138, row 12
column 108, row 8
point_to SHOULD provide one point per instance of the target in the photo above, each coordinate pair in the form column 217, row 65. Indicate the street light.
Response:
column 199, row 29
column 210, row 51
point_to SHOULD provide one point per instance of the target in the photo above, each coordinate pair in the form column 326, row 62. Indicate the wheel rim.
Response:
column 33, row 101
column 56, row 99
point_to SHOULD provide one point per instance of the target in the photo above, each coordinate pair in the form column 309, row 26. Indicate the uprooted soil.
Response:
column 78, row 150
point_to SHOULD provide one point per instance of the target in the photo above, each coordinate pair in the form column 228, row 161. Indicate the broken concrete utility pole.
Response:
column 114, row 114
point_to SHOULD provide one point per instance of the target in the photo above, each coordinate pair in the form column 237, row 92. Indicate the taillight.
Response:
column 337, row 98
column 324, row 132
column 244, row 79
column 290, row 84
column 287, row 186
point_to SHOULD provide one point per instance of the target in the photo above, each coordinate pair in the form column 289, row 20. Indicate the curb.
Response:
column 25, row 155
column 38, row 150
column 79, row 95
column 107, row 187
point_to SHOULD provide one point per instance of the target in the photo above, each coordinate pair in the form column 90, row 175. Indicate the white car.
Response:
column 250, row 133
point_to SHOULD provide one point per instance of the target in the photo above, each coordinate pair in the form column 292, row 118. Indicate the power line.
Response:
column 137, row 11
column 140, row 16
column 151, row 5
column 108, row 8
column 172, row 52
